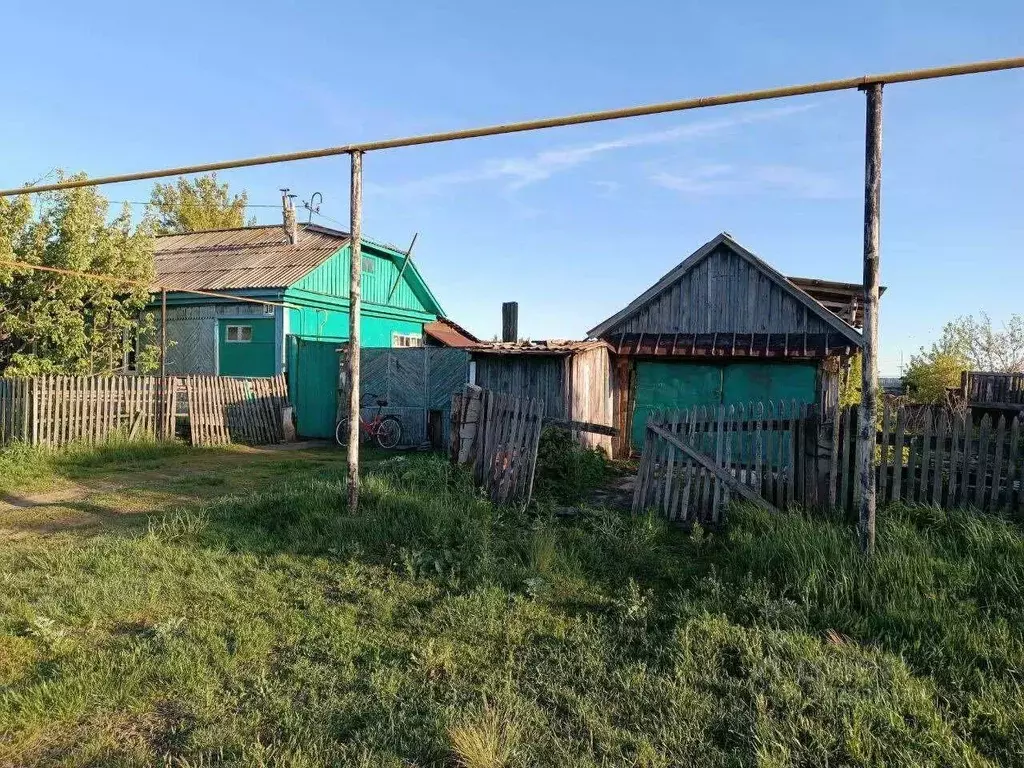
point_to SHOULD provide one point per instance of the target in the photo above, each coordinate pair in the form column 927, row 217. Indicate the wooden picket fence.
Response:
column 504, row 443
column 55, row 410
column 988, row 388
column 695, row 461
column 778, row 455
column 948, row 459
column 15, row 410
column 224, row 409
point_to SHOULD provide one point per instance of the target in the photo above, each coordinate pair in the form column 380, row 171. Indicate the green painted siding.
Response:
column 246, row 358
column 331, row 278
column 668, row 386
column 332, row 325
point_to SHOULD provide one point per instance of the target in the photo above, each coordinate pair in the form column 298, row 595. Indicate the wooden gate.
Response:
column 695, row 461
column 416, row 382
column 498, row 436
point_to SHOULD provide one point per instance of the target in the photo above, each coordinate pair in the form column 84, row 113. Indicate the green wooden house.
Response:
column 304, row 271
column 725, row 327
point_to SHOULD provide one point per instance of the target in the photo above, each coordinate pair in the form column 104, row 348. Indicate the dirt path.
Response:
column 95, row 497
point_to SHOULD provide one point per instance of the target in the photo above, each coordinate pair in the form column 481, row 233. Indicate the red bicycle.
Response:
column 386, row 430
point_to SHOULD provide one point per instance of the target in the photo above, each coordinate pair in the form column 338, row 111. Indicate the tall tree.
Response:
column 194, row 205
column 52, row 323
column 985, row 347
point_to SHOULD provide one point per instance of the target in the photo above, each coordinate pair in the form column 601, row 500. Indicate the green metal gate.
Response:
column 313, row 385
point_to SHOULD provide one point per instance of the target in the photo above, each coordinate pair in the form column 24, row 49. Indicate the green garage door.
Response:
column 245, row 347
column 661, row 386
column 761, row 382
column 668, row 386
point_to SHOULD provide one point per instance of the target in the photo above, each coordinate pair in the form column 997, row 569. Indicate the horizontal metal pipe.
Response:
column 550, row 122
column 151, row 287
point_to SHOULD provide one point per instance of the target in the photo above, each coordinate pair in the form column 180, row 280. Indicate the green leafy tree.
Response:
column 966, row 343
column 850, row 383
column 53, row 323
column 983, row 346
column 195, row 205
column 932, row 373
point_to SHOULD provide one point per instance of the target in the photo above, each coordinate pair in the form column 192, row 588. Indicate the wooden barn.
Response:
column 725, row 327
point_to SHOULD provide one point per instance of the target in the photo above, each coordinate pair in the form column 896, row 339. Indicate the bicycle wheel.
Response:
column 341, row 433
column 389, row 432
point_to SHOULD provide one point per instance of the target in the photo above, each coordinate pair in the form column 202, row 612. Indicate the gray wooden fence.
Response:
column 695, row 461
column 55, row 410
column 502, row 441
column 417, row 383
column 781, row 455
column 224, row 409
column 995, row 389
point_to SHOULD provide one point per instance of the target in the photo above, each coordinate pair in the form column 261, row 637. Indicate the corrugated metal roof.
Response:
column 247, row 257
column 450, row 334
column 543, row 347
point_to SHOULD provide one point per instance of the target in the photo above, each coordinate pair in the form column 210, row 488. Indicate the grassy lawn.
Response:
column 246, row 619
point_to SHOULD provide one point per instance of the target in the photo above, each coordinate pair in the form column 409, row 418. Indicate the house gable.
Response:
column 381, row 268
column 724, row 288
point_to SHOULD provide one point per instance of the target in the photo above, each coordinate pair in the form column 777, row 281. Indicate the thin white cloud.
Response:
column 518, row 172
column 749, row 180
column 608, row 188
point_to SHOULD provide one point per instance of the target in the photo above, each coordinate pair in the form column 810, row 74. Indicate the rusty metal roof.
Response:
column 542, row 347
column 246, row 257
column 450, row 334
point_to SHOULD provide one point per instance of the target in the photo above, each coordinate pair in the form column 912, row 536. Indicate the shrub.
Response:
column 566, row 471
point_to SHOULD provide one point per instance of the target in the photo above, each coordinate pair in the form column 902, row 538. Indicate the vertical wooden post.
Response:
column 354, row 312
column 869, row 367
column 163, row 430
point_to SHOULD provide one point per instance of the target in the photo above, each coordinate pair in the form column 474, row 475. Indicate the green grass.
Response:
column 271, row 628
column 27, row 467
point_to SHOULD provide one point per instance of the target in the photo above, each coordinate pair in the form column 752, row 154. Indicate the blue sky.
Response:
column 574, row 222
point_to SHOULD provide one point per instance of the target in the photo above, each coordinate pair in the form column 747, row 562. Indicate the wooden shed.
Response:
column 722, row 327
column 573, row 378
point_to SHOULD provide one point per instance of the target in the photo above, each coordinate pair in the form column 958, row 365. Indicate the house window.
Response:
column 368, row 264
column 239, row 334
column 406, row 340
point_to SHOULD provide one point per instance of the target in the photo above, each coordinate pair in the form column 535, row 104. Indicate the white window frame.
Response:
column 239, row 328
column 406, row 340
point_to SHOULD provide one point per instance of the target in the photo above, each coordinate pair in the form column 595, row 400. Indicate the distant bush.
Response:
column 566, row 471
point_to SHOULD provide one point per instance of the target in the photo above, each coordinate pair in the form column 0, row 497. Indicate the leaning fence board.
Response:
column 720, row 472
column 690, row 469
column 954, row 462
column 728, row 435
